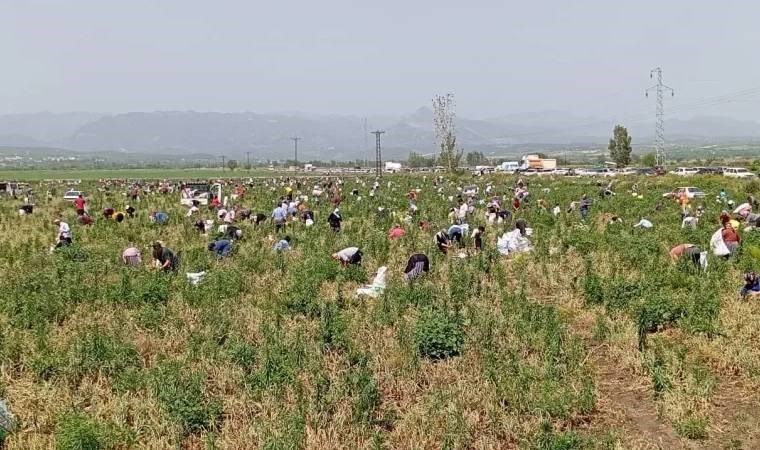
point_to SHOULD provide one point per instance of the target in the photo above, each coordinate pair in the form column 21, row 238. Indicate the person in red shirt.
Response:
column 730, row 237
column 396, row 232
column 215, row 203
column 79, row 204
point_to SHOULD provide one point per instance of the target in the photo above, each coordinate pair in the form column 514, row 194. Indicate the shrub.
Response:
column 98, row 352
column 76, row 431
column 333, row 328
column 363, row 388
column 182, row 395
column 439, row 334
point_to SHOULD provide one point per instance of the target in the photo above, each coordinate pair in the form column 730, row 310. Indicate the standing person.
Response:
column 335, row 220
column 584, row 206
column 349, row 256
column 280, row 216
column 477, row 234
column 165, row 259
column 64, row 233
column 131, row 256
column 417, row 265
column 730, row 237
column 80, row 203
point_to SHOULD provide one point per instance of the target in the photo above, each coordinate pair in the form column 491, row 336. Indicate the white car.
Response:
column 691, row 192
column 70, row 196
column 684, row 171
column 627, row 171
column 737, row 172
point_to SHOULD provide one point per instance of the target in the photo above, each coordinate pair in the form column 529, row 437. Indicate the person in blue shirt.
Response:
column 283, row 244
column 159, row 217
column 222, row 248
column 279, row 215
column 456, row 233
column 751, row 285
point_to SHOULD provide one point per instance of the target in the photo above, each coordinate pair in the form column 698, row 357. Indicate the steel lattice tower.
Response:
column 378, row 154
column 659, row 127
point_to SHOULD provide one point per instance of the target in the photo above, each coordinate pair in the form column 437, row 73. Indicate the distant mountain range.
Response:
column 328, row 137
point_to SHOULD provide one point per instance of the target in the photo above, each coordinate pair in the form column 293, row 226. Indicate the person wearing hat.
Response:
column 64, row 233
column 165, row 259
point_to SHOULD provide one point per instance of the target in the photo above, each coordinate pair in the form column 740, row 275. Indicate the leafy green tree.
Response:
column 416, row 160
column 649, row 160
column 232, row 164
column 476, row 159
column 620, row 146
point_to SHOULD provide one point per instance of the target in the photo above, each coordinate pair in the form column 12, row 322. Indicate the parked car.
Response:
column 70, row 196
column 737, row 172
column 710, row 171
column 627, row 171
column 684, row 171
column 691, row 192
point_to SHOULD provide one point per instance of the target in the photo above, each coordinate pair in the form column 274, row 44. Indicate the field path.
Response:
column 628, row 406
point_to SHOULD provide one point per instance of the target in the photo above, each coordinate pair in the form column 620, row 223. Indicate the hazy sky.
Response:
column 590, row 57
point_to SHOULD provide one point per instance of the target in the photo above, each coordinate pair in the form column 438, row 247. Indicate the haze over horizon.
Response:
column 335, row 57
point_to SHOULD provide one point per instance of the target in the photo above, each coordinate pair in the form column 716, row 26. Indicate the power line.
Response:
column 378, row 154
column 659, row 127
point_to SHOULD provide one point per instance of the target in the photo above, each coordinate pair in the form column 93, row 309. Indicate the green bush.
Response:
column 97, row 352
column 182, row 395
column 76, row 431
column 439, row 334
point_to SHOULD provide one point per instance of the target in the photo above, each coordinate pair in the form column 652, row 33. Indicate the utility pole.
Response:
column 222, row 163
column 378, row 154
column 366, row 144
column 295, row 148
column 248, row 160
column 659, row 127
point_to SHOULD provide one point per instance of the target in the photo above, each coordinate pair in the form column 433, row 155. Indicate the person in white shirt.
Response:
column 64, row 233
column 349, row 255
column 229, row 217
column 192, row 211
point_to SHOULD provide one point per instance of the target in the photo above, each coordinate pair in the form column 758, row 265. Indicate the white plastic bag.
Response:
column 717, row 245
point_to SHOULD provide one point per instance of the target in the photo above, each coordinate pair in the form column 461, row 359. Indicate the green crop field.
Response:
column 150, row 174
column 595, row 339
